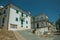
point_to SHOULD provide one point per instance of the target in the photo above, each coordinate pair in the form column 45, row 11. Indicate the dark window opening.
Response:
column 26, row 15
column 21, row 21
column 0, row 13
column 26, row 26
column 3, row 21
column 21, row 26
column 22, row 14
column 37, row 25
column 4, row 11
column 16, row 19
column 17, row 11
column 26, row 22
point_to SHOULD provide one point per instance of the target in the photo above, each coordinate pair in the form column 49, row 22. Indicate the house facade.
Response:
column 41, row 24
column 39, row 21
column 14, row 18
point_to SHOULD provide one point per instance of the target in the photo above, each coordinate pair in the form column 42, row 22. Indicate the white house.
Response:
column 14, row 18
column 41, row 24
column 39, row 21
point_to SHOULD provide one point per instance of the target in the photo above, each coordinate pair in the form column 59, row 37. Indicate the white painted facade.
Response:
column 40, row 21
column 41, row 24
column 12, row 20
column 41, row 31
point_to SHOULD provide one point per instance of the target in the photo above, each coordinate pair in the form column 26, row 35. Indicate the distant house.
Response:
column 41, row 24
column 14, row 18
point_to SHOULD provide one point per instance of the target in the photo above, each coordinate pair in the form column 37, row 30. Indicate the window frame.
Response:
column 26, row 22
column 16, row 19
column 22, row 14
column 17, row 11
column 21, row 21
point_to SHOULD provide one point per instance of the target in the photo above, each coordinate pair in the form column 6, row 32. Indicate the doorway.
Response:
column 37, row 25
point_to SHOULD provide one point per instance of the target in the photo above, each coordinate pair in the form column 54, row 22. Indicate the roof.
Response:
column 40, row 14
column 17, row 8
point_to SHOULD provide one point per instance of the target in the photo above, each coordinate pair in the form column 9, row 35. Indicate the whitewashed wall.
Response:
column 41, row 31
column 12, row 20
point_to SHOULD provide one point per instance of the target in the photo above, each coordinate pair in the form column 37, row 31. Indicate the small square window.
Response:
column 26, row 22
column 26, row 26
column 21, row 26
column 26, row 15
column 4, row 11
column 16, row 19
column 17, row 11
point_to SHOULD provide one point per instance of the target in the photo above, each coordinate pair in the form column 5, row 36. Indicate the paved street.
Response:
column 18, row 36
column 56, row 37
column 30, row 36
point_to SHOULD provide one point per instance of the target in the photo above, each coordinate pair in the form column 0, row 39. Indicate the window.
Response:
column 13, row 26
column 3, row 20
column 22, row 25
column 21, row 21
column 26, row 15
column 26, row 26
column 0, row 13
column 4, row 11
column 16, row 19
column 22, row 14
column 37, row 25
column 17, row 11
column 26, row 22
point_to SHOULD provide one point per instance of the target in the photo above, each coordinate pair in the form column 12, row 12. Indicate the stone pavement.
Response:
column 28, row 35
column 18, row 36
column 56, row 37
